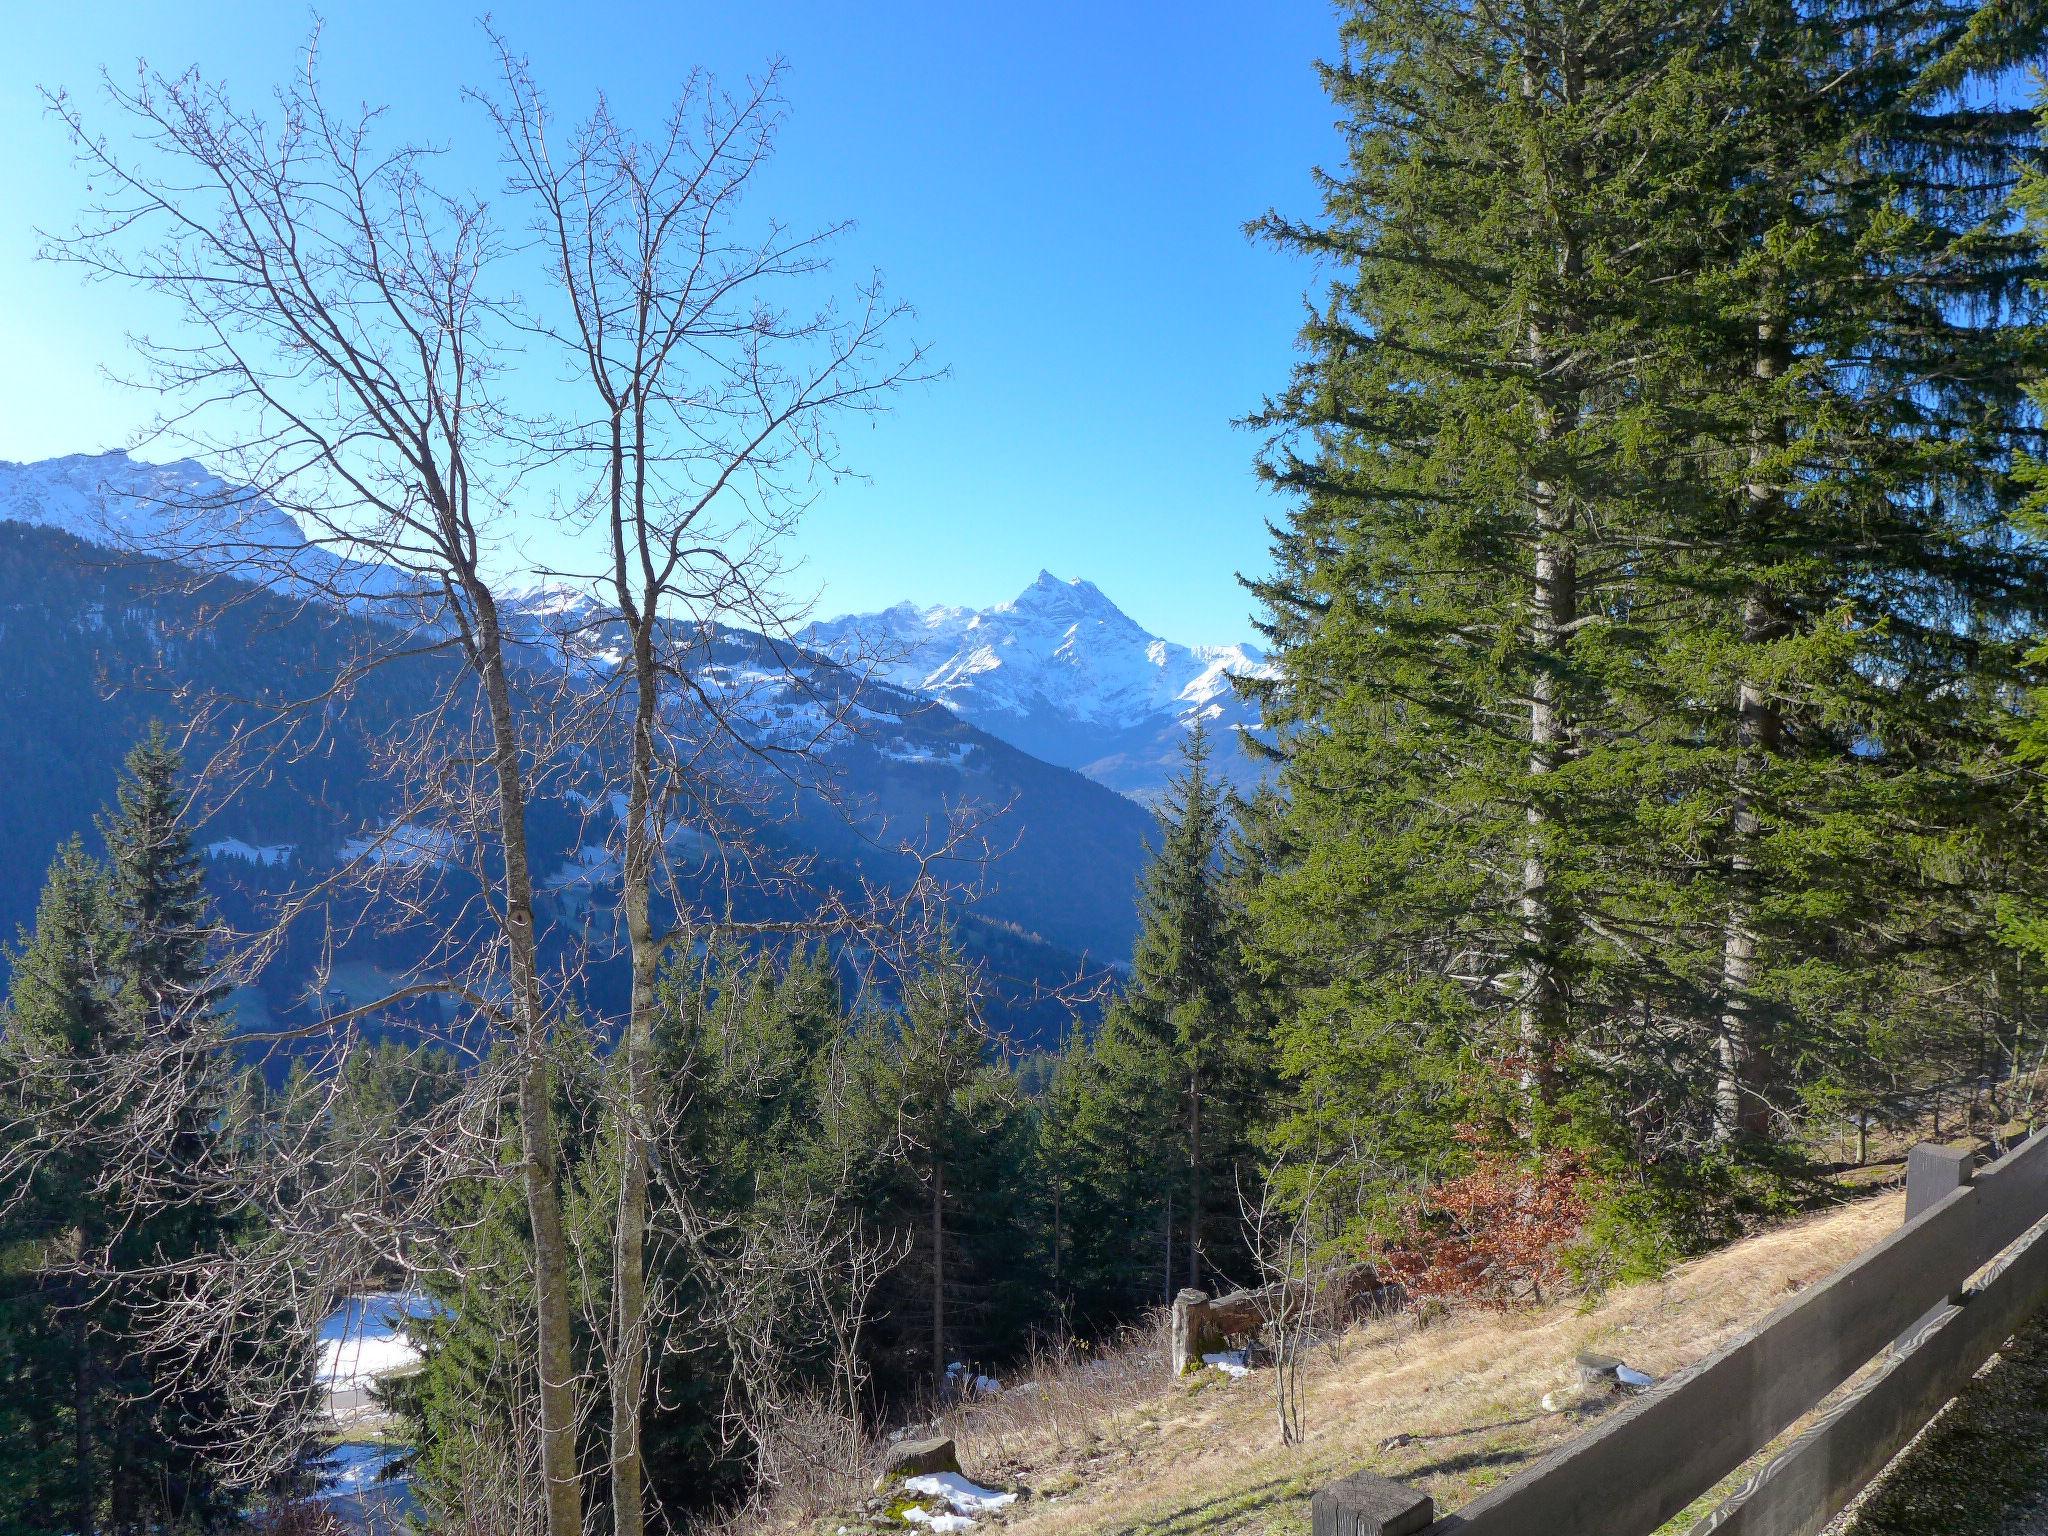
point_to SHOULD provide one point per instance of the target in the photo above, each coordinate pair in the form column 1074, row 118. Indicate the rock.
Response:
column 917, row 1458
column 1597, row 1370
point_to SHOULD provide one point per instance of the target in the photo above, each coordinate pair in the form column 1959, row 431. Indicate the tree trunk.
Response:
column 1553, row 607
column 938, row 1275
column 1739, row 1051
column 1194, row 1182
column 630, row 1342
column 1167, row 1232
column 556, row 1367
column 87, row 1491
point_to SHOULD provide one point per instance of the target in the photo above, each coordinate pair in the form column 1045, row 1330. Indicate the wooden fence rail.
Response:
column 1903, row 1298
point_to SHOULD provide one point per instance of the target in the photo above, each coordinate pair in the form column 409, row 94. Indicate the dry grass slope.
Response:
column 1451, row 1407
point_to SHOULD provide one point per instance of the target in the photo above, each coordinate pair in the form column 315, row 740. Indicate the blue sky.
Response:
column 1058, row 188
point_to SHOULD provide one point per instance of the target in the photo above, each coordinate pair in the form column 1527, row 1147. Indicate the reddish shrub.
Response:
column 1496, row 1235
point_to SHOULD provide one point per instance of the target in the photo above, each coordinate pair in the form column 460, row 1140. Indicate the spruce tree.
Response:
column 1467, row 459
column 114, row 990
column 1184, row 1015
column 1850, row 600
column 170, row 989
column 60, row 1016
column 1649, row 589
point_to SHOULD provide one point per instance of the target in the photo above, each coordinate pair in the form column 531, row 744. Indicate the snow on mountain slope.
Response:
column 1062, row 672
column 183, row 511
column 897, row 765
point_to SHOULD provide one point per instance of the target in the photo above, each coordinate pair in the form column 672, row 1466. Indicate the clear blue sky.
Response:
column 1059, row 188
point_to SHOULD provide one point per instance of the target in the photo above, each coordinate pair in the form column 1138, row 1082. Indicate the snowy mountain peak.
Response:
column 1062, row 672
column 182, row 511
column 1073, row 600
column 110, row 498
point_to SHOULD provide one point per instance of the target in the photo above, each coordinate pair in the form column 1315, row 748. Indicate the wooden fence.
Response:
column 1903, row 1299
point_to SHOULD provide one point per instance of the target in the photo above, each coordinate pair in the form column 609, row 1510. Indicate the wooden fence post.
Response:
column 1933, row 1173
column 1366, row 1504
column 1190, row 1330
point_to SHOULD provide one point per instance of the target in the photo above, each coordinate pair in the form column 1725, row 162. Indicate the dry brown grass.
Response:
column 1110, row 1446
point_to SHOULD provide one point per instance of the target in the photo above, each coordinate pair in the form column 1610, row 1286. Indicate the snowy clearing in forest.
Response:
column 364, row 1338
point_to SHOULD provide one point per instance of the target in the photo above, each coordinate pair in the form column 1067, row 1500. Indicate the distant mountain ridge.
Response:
column 1062, row 672
column 182, row 510
column 96, row 637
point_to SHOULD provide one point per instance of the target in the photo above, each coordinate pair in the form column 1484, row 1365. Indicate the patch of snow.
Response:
column 965, row 1498
column 1229, row 1361
column 945, row 1525
column 403, row 842
column 960, row 1379
column 951, row 755
column 364, row 1338
column 354, row 1466
column 593, row 864
column 1629, row 1376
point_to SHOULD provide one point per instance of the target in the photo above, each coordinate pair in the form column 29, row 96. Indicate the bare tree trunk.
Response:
column 1759, row 726
column 938, row 1274
column 556, row 1365
column 81, row 1423
column 1194, row 1181
column 629, row 1298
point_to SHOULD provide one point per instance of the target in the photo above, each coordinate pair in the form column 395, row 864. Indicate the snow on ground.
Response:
column 363, row 1339
column 1230, row 1362
column 966, row 1498
column 961, row 1380
column 403, row 842
column 354, row 1466
column 945, row 1525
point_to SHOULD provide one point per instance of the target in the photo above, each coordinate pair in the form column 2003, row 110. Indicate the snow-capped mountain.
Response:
column 1062, row 672
column 183, row 511
column 96, row 640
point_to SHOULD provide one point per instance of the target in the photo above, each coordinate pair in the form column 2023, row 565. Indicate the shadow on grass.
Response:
column 1226, row 1509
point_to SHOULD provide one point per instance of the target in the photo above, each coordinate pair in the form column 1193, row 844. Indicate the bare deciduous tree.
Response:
column 344, row 348
column 711, row 426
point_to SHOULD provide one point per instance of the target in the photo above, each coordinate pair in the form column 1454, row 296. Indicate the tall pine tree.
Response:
column 112, row 1048
column 1649, row 593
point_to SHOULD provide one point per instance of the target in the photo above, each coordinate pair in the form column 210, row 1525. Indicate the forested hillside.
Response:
column 1650, row 820
column 94, row 644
